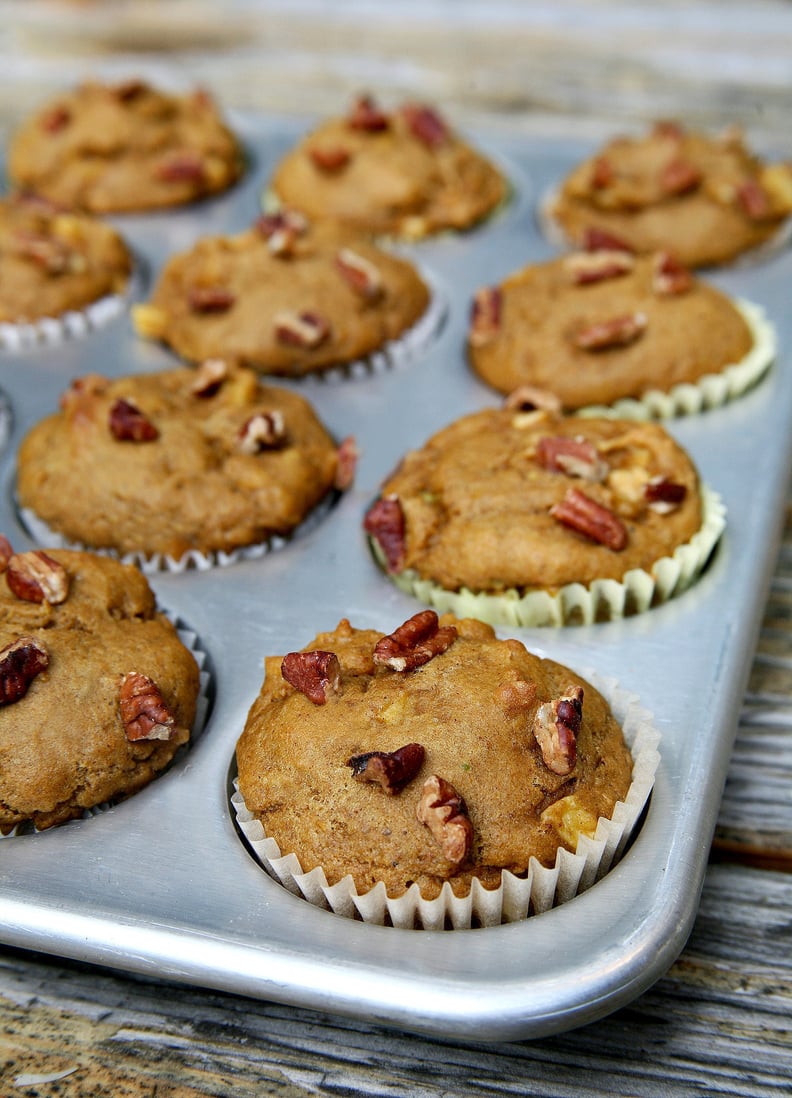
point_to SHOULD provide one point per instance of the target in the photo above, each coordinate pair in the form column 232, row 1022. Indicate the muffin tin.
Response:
column 163, row 884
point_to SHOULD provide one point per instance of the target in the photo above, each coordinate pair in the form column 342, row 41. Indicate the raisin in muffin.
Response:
column 402, row 172
column 124, row 147
column 707, row 199
column 97, row 691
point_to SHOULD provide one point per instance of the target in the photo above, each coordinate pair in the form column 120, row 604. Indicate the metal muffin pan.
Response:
column 163, row 885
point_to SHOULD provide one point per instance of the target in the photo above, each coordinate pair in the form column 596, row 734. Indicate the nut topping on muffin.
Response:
column 316, row 674
column 444, row 812
column 415, row 642
column 361, row 274
column 263, row 431
column 556, row 726
column 577, row 457
column 384, row 521
column 307, row 329
column 36, row 577
column 392, row 770
column 20, row 662
column 129, row 424
column 589, row 518
column 617, row 331
column 597, row 266
column 144, row 714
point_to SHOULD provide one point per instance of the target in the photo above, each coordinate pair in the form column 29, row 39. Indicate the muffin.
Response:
column 97, row 691
column 183, row 460
column 706, row 199
column 124, row 147
column 534, row 518
column 53, row 261
column 284, row 297
column 435, row 758
column 402, row 172
column 594, row 328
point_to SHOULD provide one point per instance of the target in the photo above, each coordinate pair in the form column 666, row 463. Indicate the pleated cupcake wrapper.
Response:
column 192, row 642
column 541, row 889
column 192, row 560
column 577, row 603
column 6, row 420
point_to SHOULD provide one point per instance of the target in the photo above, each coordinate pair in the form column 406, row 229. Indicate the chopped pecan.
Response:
column 528, row 398
column 128, row 90
column 316, row 674
column 391, row 769
column 598, row 266
column 47, row 252
column 210, row 299
column 556, row 726
column 384, row 523
column 515, row 697
column 754, row 200
column 128, row 424
column 20, row 662
column 679, row 176
column 445, row 813
column 36, row 577
column 485, row 316
column 306, row 329
column 617, row 331
column 367, row 116
column 183, row 166
column 414, row 643
column 144, row 713
column 425, row 124
column 55, row 119
column 591, row 519
column 262, row 431
column 6, row 552
column 595, row 240
column 209, row 377
column 347, row 459
column 281, row 230
column 669, row 276
column 329, row 158
column 360, row 273
column 577, row 457
column 664, row 495
column 78, row 399
column 601, row 173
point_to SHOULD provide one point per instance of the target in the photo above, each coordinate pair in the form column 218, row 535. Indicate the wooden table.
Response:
column 720, row 1021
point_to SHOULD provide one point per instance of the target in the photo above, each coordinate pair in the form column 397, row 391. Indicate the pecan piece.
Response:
column 209, row 377
column 20, row 662
column 128, row 424
column 577, row 457
column 181, row 167
column 595, row 240
column 210, row 299
column 47, row 252
column 36, row 577
column 601, row 173
column 316, row 674
column 6, row 552
column 598, row 266
column 360, row 273
column 262, row 431
column 485, row 316
column 384, row 523
column 306, row 329
column 144, row 713
column 528, row 398
column 330, row 159
column 281, row 230
column 414, row 643
column 445, row 813
column 425, row 124
column 347, row 459
column 128, row 90
column 591, row 519
column 754, row 200
column 556, row 726
column 664, row 495
column 367, row 116
column 391, row 769
column 56, row 119
column 669, row 276
column 617, row 331
column 679, row 176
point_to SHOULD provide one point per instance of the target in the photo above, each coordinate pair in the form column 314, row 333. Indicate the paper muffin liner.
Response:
column 577, row 603
column 517, row 898
column 193, row 643
column 6, row 420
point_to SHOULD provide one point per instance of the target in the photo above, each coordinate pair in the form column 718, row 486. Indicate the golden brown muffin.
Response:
column 97, row 692
column 125, row 147
column 438, row 753
column 596, row 327
column 706, row 199
column 283, row 297
column 402, row 172
column 53, row 261
column 164, row 463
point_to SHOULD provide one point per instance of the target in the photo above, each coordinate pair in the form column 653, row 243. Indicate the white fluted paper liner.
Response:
column 518, row 897
column 577, row 603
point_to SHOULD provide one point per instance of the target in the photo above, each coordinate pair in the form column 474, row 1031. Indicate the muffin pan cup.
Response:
column 163, row 884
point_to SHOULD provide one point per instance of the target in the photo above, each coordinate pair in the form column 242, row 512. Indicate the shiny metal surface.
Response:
column 163, row 885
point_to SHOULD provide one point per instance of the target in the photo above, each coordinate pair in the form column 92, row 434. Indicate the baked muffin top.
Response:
column 53, row 261
column 596, row 327
column 505, row 499
column 163, row 463
column 97, row 691
column 437, row 753
column 706, row 199
column 124, row 147
column 285, row 297
column 402, row 172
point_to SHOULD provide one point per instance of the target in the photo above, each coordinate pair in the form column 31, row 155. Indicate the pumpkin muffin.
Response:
column 402, row 172
column 178, row 461
column 594, row 328
column 534, row 518
column 706, row 199
column 436, row 755
column 53, row 261
column 97, row 691
column 284, row 297
column 125, row 147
